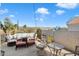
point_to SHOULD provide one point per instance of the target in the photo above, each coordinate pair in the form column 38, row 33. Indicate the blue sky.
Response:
column 39, row 14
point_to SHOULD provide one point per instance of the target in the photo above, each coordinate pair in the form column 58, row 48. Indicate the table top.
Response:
column 56, row 46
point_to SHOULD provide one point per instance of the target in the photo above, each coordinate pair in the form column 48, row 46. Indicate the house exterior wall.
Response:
column 74, row 27
column 67, row 38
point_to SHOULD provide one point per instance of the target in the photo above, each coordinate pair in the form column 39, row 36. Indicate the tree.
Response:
column 16, row 26
column 14, row 30
column 24, row 26
column 1, row 25
column 8, row 25
column 39, row 32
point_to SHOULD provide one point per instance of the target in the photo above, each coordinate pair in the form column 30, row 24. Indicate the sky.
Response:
column 39, row 14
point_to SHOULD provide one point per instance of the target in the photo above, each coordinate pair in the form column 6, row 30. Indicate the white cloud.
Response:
column 42, row 14
column 60, row 12
column 3, row 11
column 42, row 11
column 11, row 15
column 67, row 5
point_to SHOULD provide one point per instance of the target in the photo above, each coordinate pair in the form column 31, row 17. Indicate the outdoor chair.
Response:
column 11, row 41
column 55, row 48
column 76, row 52
column 21, row 43
column 42, row 43
column 40, row 46
column 30, row 39
column 30, row 42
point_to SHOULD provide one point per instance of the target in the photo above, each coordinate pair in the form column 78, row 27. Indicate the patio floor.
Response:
column 30, row 51
column 10, row 51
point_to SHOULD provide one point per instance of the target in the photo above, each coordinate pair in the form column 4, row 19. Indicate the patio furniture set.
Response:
column 56, row 47
column 25, row 41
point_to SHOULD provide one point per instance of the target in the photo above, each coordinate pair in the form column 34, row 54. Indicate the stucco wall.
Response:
column 74, row 27
column 67, row 38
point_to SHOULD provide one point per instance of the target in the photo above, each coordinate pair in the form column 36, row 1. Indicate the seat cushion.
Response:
column 31, row 41
column 20, row 43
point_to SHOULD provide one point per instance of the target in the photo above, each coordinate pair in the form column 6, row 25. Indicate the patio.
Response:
column 30, row 51
column 10, row 51
column 64, row 39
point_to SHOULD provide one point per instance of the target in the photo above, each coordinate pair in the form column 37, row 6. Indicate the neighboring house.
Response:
column 73, row 25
